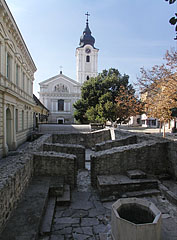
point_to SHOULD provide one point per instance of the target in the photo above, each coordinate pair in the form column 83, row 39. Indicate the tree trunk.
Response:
column 168, row 124
column 164, row 130
column 160, row 126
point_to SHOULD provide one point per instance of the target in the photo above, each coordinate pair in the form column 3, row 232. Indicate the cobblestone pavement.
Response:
column 88, row 218
column 85, row 218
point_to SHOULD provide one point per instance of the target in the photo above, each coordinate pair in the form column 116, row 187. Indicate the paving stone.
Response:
column 77, row 230
column 60, row 226
column 80, row 200
column 99, row 206
column 101, row 228
column 103, row 236
column 58, row 214
column 87, row 222
column 67, row 230
column 67, row 213
column 87, row 230
column 67, row 220
column 94, row 212
column 169, row 225
column 80, row 236
column 58, row 237
column 79, row 213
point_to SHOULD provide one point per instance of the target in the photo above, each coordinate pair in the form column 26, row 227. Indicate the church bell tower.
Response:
column 86, row 56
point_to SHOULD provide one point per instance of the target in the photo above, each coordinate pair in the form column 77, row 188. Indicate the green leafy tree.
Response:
column 97, row 103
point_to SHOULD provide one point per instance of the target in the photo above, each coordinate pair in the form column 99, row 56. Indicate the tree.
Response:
column 127, row 105
column 158, row 88
column 97, row 103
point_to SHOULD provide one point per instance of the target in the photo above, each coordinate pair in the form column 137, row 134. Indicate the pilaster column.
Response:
column 14, row 144
column 5, row 147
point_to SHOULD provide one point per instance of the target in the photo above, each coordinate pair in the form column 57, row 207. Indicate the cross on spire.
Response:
column 61, row 69
column 87, row 14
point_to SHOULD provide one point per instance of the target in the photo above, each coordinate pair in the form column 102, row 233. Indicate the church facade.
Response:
column 60, row 92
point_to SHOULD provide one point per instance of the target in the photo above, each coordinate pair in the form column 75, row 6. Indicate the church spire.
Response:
column 87, row 38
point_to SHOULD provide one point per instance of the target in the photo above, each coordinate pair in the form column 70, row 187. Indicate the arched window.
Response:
column 87, row 58
column 60, row 105
column 87, row 77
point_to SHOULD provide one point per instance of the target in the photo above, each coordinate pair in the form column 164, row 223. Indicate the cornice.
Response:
column 14, row 31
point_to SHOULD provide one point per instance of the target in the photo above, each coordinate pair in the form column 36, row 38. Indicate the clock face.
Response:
column 87, row 50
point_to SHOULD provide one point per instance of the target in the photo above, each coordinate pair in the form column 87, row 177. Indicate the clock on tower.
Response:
column 86, row 56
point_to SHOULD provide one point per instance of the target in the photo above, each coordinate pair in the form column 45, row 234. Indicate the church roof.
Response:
column 87, row 38
column 60, row 76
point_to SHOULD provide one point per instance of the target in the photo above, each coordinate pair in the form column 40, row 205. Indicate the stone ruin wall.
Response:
column 149, row 156
column 56, row 164
column 17, row 171
column 132, row 139
column 15, row 174
column 88, row 140
column 172, row 156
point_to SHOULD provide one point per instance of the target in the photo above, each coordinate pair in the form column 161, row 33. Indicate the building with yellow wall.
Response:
column 16, row 84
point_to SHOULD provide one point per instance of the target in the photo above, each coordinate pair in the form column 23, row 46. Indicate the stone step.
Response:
column 25, row 222
column 48, row 217
column 147, row 192
column 66, row 198
column 117, row 185
column 56, row 186
column 136, row 174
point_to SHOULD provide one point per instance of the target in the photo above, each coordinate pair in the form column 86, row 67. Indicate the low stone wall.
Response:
column 15, row 174
column 116, row 143
column 172, row 155
column 56, row 164
column 151, row 157
column 121, row 134
column 88, row 140
column 77, row 150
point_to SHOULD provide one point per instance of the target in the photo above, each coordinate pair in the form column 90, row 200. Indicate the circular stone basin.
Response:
column 135, row 219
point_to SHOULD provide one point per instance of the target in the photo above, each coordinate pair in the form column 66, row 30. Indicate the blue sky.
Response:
column 129, row 34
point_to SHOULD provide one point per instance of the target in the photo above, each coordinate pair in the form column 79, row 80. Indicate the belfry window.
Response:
column 87, row 77
column 87, row 58
column 60, row 105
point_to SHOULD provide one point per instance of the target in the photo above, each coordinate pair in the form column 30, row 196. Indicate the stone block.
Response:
column 136, row 174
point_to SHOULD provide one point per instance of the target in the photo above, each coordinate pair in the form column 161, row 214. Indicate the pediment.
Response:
column 60, row 79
